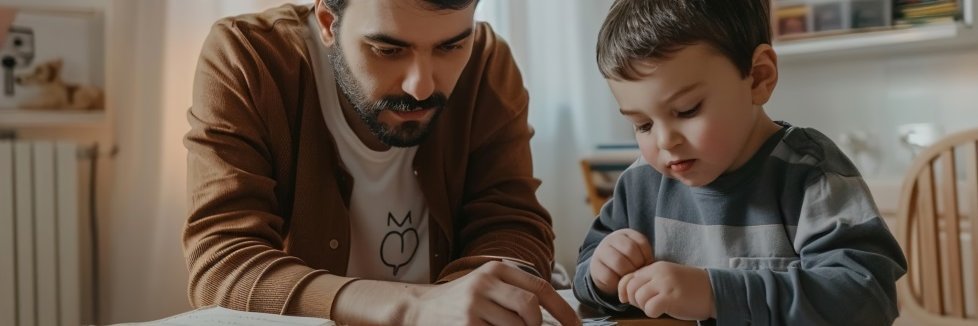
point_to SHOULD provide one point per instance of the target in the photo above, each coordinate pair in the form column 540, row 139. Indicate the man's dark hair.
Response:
column 337, row 6
column 654, row 29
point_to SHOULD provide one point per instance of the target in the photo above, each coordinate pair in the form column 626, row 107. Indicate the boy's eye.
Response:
column 386, row 52
column 691, row 112
column 644, row 128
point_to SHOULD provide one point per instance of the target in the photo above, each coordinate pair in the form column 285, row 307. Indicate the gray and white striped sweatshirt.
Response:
column 791, row 238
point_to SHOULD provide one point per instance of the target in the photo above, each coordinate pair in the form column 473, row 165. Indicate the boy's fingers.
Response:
column 631, row 251
column 633, row 286
column 647, row 251
column 601, row 276
column 618, row 263
column 623, row 287
column 643, row 244
column 646, row 292
column 655, row 307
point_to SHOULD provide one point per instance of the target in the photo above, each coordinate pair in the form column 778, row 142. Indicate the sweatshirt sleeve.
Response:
column 846, row 275
column 612, row 217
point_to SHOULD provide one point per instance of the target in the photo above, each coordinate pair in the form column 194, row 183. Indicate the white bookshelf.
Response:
column 899, row 40
column 935, row 37
column 17, row 118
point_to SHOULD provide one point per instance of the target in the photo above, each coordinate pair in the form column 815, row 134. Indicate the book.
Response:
column 215, row 315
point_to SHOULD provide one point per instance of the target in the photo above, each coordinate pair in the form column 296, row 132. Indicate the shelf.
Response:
column 903, row 40
column 15, row 118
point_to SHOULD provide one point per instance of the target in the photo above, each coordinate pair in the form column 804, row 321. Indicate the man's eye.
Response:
column 386, row 52
column 644, row 128
column 450, row 47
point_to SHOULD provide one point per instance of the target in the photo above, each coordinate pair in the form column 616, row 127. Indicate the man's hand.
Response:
column 620, row 253
column 682, row 292
column 494, row 294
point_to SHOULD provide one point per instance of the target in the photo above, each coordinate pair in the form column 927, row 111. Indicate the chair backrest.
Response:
column 936, row 228
column 599, row 182
column 601, row 171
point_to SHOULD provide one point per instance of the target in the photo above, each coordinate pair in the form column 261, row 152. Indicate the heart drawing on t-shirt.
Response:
column 399, row 247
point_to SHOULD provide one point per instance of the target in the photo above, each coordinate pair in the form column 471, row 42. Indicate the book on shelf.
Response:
column 910, row 22
column 928, row 9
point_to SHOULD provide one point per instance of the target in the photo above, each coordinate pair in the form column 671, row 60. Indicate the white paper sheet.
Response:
column 227, row 317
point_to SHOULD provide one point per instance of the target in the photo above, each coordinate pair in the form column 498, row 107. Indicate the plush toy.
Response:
column 54, row 93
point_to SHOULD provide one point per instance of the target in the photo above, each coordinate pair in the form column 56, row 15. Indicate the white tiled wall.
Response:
column 877, row 94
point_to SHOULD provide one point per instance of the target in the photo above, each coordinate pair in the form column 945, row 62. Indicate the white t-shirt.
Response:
column 388, row 212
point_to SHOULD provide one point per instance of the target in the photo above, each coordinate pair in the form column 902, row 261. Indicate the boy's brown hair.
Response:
column 654, row 29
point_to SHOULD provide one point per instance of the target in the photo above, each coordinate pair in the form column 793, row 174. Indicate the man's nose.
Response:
column 420, row 80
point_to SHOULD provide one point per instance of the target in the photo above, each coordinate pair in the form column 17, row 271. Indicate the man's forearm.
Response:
column 368, row 302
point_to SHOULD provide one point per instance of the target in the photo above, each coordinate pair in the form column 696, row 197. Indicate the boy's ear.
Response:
column 327, row 19
column 763, row 73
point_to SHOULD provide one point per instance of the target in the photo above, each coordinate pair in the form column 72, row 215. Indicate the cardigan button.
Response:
column 415, row 172
column 333, row 244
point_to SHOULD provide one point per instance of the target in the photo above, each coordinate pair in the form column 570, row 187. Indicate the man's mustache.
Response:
column 407, row 103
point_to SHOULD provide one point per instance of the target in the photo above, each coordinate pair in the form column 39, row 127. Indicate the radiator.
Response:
column 42, row 233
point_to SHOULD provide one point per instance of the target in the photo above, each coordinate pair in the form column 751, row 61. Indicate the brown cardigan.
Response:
column 268, row 229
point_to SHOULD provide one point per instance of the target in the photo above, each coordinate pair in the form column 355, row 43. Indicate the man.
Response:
column 366, row 161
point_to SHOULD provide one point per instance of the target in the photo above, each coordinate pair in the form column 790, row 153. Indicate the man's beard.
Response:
column 408, row 134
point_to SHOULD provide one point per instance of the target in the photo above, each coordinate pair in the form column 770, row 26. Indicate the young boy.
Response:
column 727, row 215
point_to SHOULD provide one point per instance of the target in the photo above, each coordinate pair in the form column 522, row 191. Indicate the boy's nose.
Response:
column 668, row 139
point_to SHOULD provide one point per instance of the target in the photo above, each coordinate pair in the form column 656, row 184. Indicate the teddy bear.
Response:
column 55, row 93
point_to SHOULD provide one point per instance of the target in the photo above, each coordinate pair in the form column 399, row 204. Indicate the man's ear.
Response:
column 763, row 73
column 327, row 21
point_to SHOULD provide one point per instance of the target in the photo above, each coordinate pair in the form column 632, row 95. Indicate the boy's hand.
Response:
column 682, row 292
column 621, row 252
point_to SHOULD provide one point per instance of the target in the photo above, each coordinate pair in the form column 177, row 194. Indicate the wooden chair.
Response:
column 596, row 195
column 601, row 171
column 938, row 217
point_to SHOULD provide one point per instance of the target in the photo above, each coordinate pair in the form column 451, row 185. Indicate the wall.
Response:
column 145, row 276
column 152, row 49
column 101, row 132
column 571, row 108
column 877, row 94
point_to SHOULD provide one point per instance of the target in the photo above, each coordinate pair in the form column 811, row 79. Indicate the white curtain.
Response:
column 571, row 108
column 156, row 45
